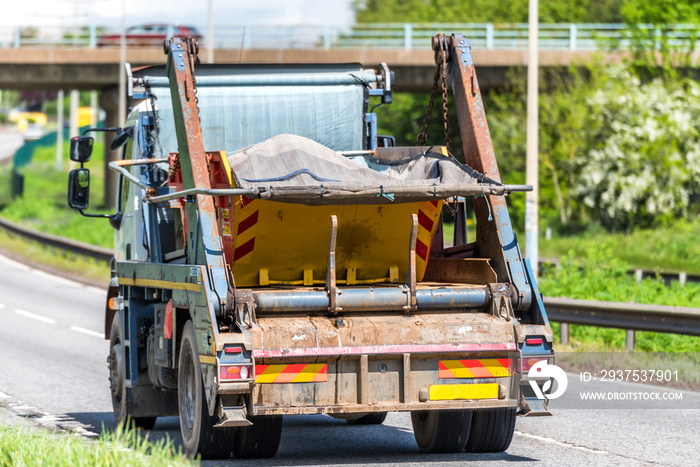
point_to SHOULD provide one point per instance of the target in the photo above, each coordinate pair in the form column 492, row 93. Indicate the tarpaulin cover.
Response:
column 301, row 170
column 247, row 105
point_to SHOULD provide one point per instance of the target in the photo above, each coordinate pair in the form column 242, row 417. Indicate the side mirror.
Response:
column 79, row 188
column 123, row 134
column 81, row 148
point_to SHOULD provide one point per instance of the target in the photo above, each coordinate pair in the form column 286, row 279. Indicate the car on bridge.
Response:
column 149, row 35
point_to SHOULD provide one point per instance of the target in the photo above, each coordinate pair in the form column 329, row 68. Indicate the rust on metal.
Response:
column 472, row 330
column 494, row 237
column 201, row 216
column 331, row 287
column 460, row 270
column 411, row 274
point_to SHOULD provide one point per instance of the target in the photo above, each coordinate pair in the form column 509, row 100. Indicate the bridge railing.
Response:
column 409, row 36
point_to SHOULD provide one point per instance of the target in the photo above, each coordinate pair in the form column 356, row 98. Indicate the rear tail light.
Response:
column 530, row 362
column 533, row 341
column 230, row 372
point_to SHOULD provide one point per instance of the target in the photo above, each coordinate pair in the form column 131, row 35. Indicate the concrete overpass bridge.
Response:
column 97, row 69
column 72, row 58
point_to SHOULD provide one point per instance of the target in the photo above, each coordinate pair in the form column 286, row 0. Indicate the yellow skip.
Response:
column 450, row 392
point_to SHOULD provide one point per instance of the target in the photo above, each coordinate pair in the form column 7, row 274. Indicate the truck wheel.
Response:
column 117, row 380
column 196, row 425
column 492, row 430
column 374, row 418
column 441, row 431
column 261, row 439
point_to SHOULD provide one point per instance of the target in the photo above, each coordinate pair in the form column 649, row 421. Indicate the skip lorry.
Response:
column 275, row 256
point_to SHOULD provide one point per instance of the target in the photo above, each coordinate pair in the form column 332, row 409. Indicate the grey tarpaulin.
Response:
column 296, row 169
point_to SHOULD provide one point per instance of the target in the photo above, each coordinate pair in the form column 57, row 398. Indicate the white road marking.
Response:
column 89, row 332
column 57, row 279
column 35, row 316
column 63, row 422
column 83, row 432
column 15, row 264
column 559, row 443
column 48, row 418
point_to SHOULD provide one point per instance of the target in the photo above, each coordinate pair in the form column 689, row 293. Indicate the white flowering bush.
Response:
column 643, row 163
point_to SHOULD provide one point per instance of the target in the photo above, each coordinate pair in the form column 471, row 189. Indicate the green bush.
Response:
column 43, row 205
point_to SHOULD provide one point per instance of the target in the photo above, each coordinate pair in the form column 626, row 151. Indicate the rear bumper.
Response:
column 398, row 407
column 385, row 382
column 380, row 362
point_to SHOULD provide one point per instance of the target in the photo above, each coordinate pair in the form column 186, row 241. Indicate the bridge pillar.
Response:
column 109, row 101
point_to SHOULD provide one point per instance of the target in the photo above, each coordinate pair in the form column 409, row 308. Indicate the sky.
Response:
column 67, row 13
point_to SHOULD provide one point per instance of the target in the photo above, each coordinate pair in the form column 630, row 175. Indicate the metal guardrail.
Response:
column 630, row 316
column 636, row 316
column 409, row 36
column 83, row 249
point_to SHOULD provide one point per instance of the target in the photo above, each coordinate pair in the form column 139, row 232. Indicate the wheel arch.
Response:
column 112, row 292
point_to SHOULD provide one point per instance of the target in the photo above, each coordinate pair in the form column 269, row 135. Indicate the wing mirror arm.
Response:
column 79, row 179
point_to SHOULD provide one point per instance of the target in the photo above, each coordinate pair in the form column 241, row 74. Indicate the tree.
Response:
column 485, row 11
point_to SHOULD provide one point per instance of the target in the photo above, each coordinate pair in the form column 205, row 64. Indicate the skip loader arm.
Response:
column 495, row 235
column 204, row 242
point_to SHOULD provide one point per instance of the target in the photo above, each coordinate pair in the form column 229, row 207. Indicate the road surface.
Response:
column 53, row 370
column 10, row 141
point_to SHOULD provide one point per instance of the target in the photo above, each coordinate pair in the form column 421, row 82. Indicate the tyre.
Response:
column 491, row 430
column 117, row 380
column 441, row 431
column 260, row 440
column 196, row 425
column 374, row 418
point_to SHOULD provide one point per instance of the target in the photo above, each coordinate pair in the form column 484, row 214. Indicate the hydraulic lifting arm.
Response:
column 495, row 237
column 204, row 245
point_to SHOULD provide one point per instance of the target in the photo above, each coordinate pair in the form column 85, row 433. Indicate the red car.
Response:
column 149, row 35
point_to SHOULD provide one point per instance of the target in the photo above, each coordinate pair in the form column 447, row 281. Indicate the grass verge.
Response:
column 20, row 446
column 36, row 253
column 43, row 204
column 671, row 248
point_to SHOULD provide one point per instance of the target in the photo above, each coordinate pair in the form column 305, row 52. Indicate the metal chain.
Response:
column 174, row 166
column 423, row 135
column 445, row 115
column 440, row 72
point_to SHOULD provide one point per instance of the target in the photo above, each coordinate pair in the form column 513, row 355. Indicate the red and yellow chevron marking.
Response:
column 292, row 373
column 475, row 368
column 245, row 227
column 428, row 215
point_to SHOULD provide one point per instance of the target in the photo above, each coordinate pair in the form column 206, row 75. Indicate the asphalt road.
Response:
column 53, row 370
column 9, row 142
